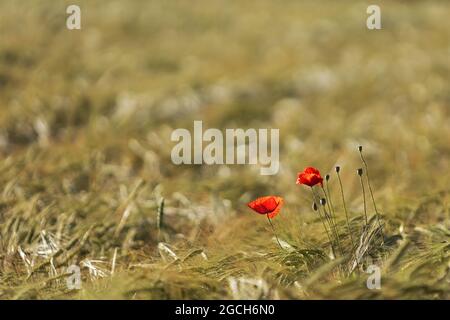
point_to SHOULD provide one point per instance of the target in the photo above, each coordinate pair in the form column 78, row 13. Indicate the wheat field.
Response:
column 86, row 177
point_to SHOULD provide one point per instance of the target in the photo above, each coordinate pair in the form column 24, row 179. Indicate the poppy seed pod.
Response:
column 314, row 206
column 323, row 201
column 360, row 148
column 338, row 169
column 359, row 171
column 327, row 177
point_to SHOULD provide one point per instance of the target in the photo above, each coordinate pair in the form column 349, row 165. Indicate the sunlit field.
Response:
column 87, row 179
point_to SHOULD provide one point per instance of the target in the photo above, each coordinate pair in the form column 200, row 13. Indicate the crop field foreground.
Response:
column 88, row 186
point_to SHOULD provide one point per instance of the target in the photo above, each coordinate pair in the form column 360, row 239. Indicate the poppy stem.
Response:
column 329, row 196
column 274, row 232
column 364, row 196
column 334, row 231
column 345, row 208
column 330, row 208
column 371, row 193
column 323, row 219
column 332, row 219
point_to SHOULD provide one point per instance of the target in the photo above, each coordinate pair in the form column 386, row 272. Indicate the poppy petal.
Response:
column 269, row 205
column 277, row 209
column 310, row 177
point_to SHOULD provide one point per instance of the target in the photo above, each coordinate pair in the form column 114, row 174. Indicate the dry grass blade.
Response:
column 369, row 242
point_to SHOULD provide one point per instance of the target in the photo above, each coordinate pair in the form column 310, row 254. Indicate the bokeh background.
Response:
column 86, row 118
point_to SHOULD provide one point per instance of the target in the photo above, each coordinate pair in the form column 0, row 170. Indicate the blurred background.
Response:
column 86, row 115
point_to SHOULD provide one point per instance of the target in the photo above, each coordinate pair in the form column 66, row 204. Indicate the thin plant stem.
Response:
column 334, row 231
column 345, row 210
column 364, row 199
column 330, row 207
column 371, row 193
column 274, row 232
column 329, row 195
column 332, row 220
column 322, row 219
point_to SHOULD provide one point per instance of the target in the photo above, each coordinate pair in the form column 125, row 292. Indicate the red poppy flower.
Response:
column 269, row 205
column 310, row 177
